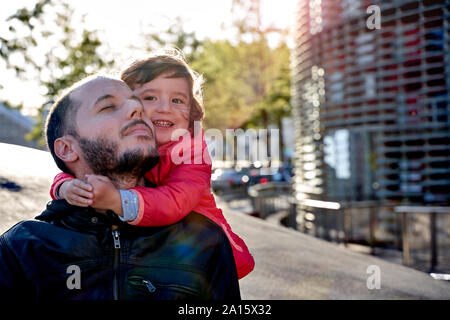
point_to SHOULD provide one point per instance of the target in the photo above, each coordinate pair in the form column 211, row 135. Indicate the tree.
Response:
column 67, row 54
column 266, row 65
column 26, row 19
column 240, row 89
column 247, row 81
column 247, row 20
column 220, row 63
column 173, row 37
column 268, row 69
column 225, row 92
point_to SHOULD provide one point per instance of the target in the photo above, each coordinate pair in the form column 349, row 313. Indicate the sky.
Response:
column 120, row 24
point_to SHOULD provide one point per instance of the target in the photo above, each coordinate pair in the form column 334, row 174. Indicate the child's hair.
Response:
column 169, row 62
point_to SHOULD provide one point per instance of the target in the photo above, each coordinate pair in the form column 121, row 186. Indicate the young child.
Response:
column 171, row 94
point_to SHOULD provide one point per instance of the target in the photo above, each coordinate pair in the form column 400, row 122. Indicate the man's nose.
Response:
column 135, row 109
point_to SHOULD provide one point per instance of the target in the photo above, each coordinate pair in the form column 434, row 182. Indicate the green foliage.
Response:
column 173, row 37
column 247, row 81
column 242, row 80
column 266, row 69
column 18, row 44
column 226, row 93
column 72, row 58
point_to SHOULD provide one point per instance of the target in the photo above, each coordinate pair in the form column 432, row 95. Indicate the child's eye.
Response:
column 176, row 100
column 149, row 98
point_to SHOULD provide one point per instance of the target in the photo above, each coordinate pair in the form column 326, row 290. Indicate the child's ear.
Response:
column 65, row 149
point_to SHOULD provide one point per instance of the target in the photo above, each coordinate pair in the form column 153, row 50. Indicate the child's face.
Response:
column 166, row 102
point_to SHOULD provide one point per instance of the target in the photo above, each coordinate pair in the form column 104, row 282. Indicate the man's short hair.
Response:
column 172, row 63
column 61, row 119
column 57, row 124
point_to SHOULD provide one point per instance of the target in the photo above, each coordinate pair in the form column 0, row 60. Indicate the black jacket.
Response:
column 76, row 253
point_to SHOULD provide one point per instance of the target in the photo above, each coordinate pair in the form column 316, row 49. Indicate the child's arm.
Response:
column 57, row 182
column 178, row 195
column 175, row 197
column 106, row 195
column 181, row 183
column 75, row 191
column 97, row 192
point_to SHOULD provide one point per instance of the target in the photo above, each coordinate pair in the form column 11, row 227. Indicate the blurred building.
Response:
column 14, row 126
column 371, row 106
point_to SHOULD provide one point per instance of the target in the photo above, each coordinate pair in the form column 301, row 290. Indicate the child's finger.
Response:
column 83, row 193
column 83, row 185
column 94, row 183
column 79, row 201
column 90, row 178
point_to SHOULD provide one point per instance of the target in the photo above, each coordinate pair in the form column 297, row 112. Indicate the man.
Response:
column 98, row 127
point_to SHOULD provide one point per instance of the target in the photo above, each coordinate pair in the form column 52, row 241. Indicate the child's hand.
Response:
column 106, row 195
column 76, row 192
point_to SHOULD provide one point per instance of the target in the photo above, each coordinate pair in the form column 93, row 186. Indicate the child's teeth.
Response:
column 163, row 123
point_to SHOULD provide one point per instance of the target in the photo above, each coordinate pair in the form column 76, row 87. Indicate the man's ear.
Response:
column 65, row 149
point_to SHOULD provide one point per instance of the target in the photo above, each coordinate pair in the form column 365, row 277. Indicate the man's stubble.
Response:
column 101, row 155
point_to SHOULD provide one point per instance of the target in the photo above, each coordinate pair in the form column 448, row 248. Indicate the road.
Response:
column 292, row 265
column 289, row 265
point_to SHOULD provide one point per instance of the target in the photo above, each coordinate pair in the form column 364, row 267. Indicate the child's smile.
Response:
column 166, row 102
column 164, row 124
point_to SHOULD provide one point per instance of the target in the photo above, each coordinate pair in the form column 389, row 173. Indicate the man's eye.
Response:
column 111, row 106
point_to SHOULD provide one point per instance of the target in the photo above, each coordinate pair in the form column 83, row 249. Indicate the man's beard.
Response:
column 101, row 156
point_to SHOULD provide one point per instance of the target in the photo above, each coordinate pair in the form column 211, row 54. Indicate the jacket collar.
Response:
column 86, row 220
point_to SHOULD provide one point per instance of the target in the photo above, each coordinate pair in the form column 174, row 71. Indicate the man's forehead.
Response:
column 99, row 87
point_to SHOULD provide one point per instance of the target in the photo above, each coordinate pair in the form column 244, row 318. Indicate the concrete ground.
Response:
column 289, row 265
column 292, row 265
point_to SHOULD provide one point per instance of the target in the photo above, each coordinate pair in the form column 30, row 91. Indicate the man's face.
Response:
column 114, row 134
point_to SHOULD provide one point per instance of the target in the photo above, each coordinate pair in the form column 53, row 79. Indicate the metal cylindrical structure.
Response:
column 371, row 105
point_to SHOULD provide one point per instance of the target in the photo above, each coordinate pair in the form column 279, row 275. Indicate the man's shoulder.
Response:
column 197, row 221
column 27, row 230
column 220, row 264
column 200, row 226
column 26, row 225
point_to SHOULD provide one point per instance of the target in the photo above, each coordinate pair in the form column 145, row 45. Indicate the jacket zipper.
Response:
column 116, row 239
column 140, row 283
column 151, row 288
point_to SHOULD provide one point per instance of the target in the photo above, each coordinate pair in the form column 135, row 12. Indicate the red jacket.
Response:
column 182, row 188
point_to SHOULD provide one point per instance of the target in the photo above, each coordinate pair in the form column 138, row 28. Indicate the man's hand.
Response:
column 76, row 192
column 106, row 195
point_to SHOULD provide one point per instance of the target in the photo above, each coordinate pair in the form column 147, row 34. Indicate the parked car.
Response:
column 256, row 177
column 231, row 179
column 224, row 180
